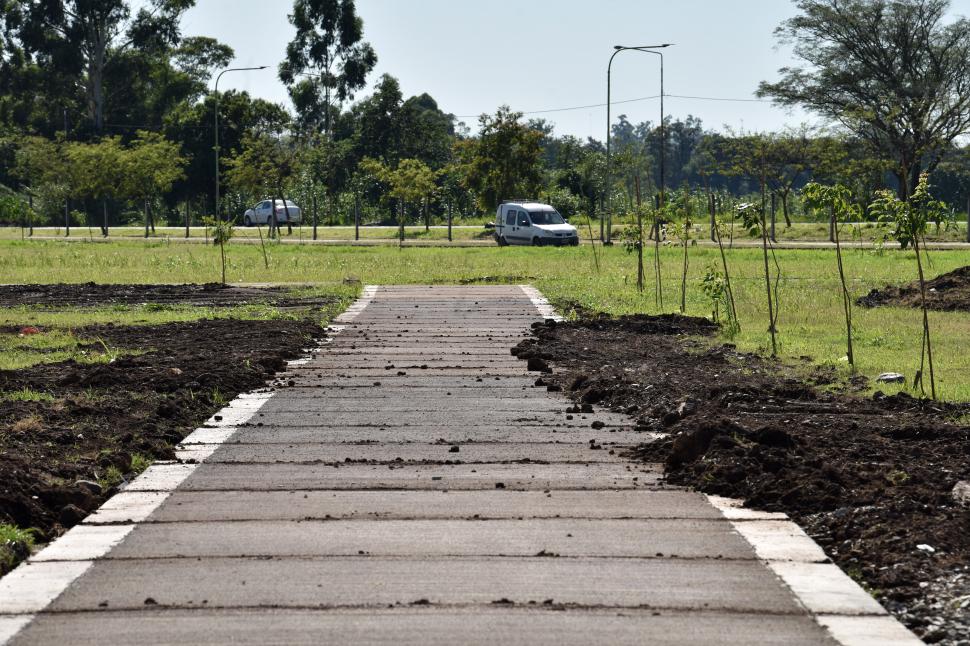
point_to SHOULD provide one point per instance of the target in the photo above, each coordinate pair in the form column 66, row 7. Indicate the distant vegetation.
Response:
column 106, row 118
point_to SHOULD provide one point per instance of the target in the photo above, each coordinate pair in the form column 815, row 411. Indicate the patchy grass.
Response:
column 15, row 545
column 25, row 394
column 18, row 351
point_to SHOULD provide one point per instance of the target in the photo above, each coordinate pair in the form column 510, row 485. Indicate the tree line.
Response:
column 106, row 116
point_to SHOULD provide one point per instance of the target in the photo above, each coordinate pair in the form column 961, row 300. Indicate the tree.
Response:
column 96, row 171
column 265, row 165
column 82, row 37
column 752, row 217
column 412, row 180
column 328, row 44
column 504, row 162
column 837, row 201
column 151, row 165
column 909, row 219
column 889, row 70
column 42, row 167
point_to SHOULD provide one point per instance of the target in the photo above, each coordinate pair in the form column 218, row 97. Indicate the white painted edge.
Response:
column 867, row 631
column 352, row 312
column 546, row 310
column 35, row 583
column 10, row 625
column 836, row 602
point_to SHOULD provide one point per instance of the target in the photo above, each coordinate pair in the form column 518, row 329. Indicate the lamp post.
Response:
column 647, row 49
column 216, row 147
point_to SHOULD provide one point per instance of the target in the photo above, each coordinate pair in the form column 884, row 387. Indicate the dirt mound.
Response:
column 94, row 294
column 869, row 478
column 947, row 292
column 70, row 433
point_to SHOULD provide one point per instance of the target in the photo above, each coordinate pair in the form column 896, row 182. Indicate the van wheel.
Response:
column 248, row 221
column 537, row 242
column 502, row 242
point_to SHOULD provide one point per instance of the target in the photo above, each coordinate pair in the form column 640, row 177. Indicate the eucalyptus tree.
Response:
column 326, row 61
column 82, row 38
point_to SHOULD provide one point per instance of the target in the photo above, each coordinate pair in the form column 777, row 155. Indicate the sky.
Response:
column 536, row 55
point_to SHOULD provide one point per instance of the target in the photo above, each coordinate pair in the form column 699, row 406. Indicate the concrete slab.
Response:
column 466, row 453
column 262, row 477
column 743, row 586
column 196, row 506
column 633, row 538
column 428, row 419
column 477, row 626
column 444, row 434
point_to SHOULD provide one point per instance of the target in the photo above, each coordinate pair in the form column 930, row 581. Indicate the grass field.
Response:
column 810, row 324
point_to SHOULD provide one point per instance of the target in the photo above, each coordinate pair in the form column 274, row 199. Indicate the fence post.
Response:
column 968, row 219
column 314, row 207
column 712, row 207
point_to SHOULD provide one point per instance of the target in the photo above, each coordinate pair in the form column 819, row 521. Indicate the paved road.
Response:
column 410, row 484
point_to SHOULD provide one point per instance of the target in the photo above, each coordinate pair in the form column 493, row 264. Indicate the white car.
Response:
column 261, row 213
column 532, row 223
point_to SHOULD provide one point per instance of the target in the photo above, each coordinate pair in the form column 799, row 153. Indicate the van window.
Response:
column 524, row 219
column 510, row 218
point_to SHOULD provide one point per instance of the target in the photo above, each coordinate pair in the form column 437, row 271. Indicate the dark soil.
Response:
column 869, row 478
column 947, row 292
column 104, row 416
column 94, row 294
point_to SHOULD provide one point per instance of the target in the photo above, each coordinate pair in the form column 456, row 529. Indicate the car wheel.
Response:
column 537, row 242
column 248, row 221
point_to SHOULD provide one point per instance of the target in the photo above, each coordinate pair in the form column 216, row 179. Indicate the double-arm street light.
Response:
column 216, row 147
column 646, row 49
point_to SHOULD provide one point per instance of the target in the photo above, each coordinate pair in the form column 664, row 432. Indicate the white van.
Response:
column 532, row 223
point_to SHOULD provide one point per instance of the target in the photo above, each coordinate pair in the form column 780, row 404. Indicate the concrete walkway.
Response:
column 410, row 484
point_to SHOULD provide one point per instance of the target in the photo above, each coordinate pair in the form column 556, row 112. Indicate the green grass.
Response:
column 810, row 323
column 51, row 346
column 25, row 394
column 15, row 543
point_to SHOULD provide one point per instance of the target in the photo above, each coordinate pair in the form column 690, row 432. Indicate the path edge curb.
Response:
column 33, row 585
column 836, row 602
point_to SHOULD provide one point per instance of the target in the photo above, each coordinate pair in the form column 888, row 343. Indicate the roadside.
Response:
column 73, row 431
column 870, row 479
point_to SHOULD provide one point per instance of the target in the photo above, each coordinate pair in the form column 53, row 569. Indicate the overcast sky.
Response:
column 536, row 55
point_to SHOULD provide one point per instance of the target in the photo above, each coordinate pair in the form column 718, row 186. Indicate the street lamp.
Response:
column 647, row 49
column 216, row 147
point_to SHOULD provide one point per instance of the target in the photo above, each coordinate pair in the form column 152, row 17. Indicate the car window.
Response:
column 546, row 217
column 264, row 204
column 523, row 219
column 510, row 218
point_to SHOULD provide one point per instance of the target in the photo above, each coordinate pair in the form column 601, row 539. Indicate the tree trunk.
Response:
column 846, row 300
column 926, row 320
column 450, row 208
column 104, row 225
column 784, row 208
column 188, row 217
column 774, row 210
column 427, row 214
column 146, row 218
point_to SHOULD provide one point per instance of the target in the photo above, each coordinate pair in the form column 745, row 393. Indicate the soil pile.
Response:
column 206, row 295
column 70, row 433
column 947, row 292
column 869, row 478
